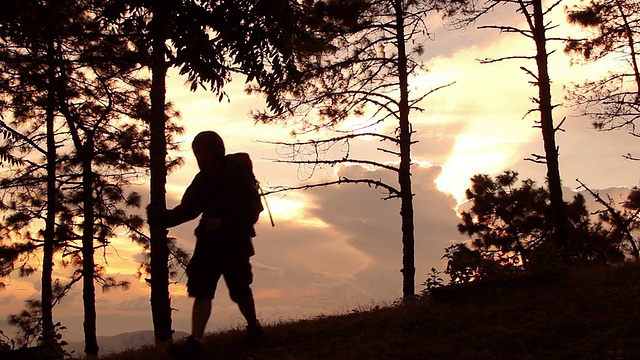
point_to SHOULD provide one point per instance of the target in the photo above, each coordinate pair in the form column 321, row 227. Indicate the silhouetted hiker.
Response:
column 225, row 192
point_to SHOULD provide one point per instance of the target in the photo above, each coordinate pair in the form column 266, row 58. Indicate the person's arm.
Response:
column 190, row 206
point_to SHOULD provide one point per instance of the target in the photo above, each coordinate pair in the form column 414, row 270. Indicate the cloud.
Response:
column 271, row 270
column 7, row 299
column 131, row 304
column 359, row 252
column 483, row 110
column 17, row 290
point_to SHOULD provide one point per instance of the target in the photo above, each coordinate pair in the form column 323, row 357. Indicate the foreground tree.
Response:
column 159, row 251
column 537, row 26
column 95, row 94
column 91, row 97
column 28, row 94
column 613, row 32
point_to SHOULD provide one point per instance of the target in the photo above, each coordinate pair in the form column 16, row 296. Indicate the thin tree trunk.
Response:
column 86, row 154
column 558, row 211
column 404, row 173
column 88, row 263
column 48, row 332
column 632, row 49
column 160, row 300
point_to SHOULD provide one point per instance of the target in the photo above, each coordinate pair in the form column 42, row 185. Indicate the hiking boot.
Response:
column 255, row 334
column 187, row 349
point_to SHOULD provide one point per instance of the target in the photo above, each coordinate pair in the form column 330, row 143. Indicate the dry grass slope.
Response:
column 593, row 313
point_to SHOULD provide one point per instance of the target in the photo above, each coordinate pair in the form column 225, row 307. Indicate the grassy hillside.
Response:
column 591, row 314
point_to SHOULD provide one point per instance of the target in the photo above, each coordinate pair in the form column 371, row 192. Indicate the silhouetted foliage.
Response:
column 511, row 231
column 27, row 83
column 16, row 256
column 613, row 29
column 98, row 100
column 624, row 222
column 29, row 323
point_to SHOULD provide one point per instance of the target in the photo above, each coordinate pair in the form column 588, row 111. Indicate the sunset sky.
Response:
column 338, row 248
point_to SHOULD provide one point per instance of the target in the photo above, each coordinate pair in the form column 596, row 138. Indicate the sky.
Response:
column 338, row 249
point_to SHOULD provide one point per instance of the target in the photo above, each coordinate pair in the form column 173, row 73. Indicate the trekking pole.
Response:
column 266, row 203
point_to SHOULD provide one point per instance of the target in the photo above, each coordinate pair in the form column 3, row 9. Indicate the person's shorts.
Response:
column 203, row 277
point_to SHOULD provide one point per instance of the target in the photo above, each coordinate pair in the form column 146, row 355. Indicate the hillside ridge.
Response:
column 590, row 314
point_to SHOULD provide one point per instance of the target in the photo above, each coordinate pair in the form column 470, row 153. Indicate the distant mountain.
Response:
column 120, row 342
column 615, row 194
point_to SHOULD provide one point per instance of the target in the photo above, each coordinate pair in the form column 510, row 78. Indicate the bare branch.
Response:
column 527, row 15
column 334, row 139
column 529, row 72
column 553, row 6
column 338, row 161
column 417, row 100
column 508, row 29
column 622, row 224
column 492, row 60
column 393, row 192
column 396, row 153
column 18, row 135
column 559, row 127
column 536, row 158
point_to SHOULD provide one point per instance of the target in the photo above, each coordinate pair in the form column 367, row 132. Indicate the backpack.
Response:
column 243, row 183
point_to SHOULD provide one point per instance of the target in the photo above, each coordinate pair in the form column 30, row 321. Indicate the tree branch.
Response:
column 508, row 29
column 17, row 134
column 393, row 192
column 336, row 139
column 515, row 57
column 621, row 223
column 338, row 161
column 539, row 159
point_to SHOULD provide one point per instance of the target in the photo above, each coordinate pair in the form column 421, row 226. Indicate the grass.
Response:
column 591, row 314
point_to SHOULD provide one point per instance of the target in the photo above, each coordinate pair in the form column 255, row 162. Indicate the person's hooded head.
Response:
column 208, row 148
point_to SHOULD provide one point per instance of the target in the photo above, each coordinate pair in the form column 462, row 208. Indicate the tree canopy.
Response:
column 511, row 231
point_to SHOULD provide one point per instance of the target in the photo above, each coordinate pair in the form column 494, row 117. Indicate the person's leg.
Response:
column 190, row 348
column 239, row 277
column 200, row 315
column 247, row 308
column 201, row 285
column 243, row 296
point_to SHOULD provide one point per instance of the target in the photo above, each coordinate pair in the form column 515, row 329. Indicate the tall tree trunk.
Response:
column 48, row 331
column 633, row 54
column 88, row 263
column 558, row 211
column 86, row 155
column 404, row 173
column 160, row 300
